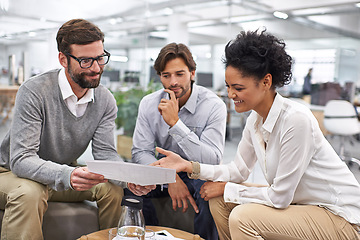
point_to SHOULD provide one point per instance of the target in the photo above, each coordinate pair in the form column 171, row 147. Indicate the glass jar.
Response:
column 131, row 224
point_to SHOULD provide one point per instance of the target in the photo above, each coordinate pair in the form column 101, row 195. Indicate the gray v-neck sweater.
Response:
column 45, row 137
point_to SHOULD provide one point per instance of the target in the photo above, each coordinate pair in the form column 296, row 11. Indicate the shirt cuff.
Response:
column 232, row 192
column 195, row 170
column 179, row 131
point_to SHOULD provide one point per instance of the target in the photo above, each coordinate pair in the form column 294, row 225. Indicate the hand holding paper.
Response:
column 132, row 173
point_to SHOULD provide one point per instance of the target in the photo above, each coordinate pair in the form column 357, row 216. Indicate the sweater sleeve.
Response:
column 25, row 137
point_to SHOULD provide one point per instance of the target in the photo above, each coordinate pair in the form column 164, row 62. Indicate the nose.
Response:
column 173, row 80
column 231, row 94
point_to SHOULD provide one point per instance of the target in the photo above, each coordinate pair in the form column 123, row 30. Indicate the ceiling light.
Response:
column 281, row 15
column 112, row 21
column 357, row 5
column 200, row 23
column 168, row 11
column 160, row 28
column 32, row 34
column 119, row 58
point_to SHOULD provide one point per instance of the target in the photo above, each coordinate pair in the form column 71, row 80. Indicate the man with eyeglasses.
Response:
column 56, row 115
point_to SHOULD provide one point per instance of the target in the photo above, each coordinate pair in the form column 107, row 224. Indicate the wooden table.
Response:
column 7, row 100
column 104, row 234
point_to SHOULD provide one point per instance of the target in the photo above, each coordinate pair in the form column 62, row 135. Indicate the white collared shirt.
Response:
column 297, row 161
column 75, row 105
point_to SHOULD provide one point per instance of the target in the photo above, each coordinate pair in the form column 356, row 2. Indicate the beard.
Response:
column 80, row 78
column 184, row 89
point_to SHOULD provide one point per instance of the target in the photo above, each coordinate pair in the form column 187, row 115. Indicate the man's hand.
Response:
column 212, row 189
column 81, row 179
column 179, row 194
column 169, row 108
column 140, row 190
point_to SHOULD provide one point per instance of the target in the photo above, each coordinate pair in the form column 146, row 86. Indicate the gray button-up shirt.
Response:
column 199, row 135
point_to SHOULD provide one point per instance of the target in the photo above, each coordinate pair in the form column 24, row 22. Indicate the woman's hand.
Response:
column 173, row 161
column 140, row 190
column 212, row 189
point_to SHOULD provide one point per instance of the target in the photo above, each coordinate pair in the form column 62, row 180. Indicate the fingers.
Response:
column 171, row 93
column 163, row 151
column 81, row 179
column 83, row 172
column 140, row 190
column 174, row 204
column 193, row 204
column 185, row 205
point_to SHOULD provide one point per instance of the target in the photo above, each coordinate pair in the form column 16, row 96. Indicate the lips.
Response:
column 175, row 89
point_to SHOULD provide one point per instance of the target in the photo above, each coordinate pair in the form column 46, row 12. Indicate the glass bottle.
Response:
column 131, row 224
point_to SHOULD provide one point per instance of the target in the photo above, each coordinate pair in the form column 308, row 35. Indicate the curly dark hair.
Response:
column 77, row 31
column 257, row 54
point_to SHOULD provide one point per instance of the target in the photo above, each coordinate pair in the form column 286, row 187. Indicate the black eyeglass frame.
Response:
column 79, row 60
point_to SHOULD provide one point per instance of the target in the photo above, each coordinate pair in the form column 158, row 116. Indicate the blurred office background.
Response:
column 323, row 35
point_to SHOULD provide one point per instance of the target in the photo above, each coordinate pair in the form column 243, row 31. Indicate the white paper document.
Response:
column 133, row 173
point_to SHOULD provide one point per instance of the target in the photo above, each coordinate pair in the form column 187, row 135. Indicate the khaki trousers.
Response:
column 257, row 221
column 25, row 203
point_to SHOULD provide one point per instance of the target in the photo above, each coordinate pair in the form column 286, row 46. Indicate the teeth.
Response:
column 240, row 101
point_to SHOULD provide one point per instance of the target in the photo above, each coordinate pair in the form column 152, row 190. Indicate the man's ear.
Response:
column 267, row 81
column 192, row 75
column 63, row 60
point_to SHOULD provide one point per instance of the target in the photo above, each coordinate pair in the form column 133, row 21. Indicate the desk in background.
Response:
column 7, row 100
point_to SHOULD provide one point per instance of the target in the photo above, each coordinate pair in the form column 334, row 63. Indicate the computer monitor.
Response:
column 111, row 75
column 204, row 79
column 132, row 77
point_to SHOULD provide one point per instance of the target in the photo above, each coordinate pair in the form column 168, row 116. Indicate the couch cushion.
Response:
column 70, row 221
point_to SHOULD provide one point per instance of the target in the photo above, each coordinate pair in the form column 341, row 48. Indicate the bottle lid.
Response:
column 132, row 201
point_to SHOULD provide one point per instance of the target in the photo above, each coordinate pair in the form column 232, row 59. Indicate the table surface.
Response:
column 104, row 234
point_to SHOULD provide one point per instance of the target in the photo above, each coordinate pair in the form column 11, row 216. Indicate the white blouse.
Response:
column 297, row 161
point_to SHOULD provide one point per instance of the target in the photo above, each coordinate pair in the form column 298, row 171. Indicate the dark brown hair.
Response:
column 172, row 51
column 77, row 31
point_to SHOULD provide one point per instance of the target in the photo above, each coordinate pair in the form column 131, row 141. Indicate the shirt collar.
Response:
column 67, row 92
column 191, row 103
column 273, row 115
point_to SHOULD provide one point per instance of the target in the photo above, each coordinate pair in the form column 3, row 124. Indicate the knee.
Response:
column 108, row 190
column 243, row 215
column 29, row 192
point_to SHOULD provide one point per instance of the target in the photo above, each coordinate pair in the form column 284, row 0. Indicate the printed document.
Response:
column 133, row 173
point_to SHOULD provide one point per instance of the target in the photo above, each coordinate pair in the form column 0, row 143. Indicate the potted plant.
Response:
column 128, row 104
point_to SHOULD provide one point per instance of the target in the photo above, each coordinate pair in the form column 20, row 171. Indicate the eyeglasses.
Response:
column 88, row 62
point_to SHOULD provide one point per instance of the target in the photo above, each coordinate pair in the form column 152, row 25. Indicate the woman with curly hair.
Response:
column 311, row 193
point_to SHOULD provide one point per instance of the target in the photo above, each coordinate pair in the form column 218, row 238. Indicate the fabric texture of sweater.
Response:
column 45, row 137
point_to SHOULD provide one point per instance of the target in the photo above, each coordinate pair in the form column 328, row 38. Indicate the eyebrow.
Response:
column 180, row 71
column 92, row 57
column 233, row 85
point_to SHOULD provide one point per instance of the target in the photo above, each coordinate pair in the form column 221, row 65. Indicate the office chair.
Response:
column 340, row 118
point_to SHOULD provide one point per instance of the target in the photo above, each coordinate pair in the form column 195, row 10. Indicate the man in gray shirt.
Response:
column 184, row 118
column 56, row 115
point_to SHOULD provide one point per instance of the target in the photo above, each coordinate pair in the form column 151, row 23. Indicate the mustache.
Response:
column 91, row 74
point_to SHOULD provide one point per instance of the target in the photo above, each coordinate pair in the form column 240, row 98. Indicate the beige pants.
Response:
column 256, row 221
column 25, row 203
